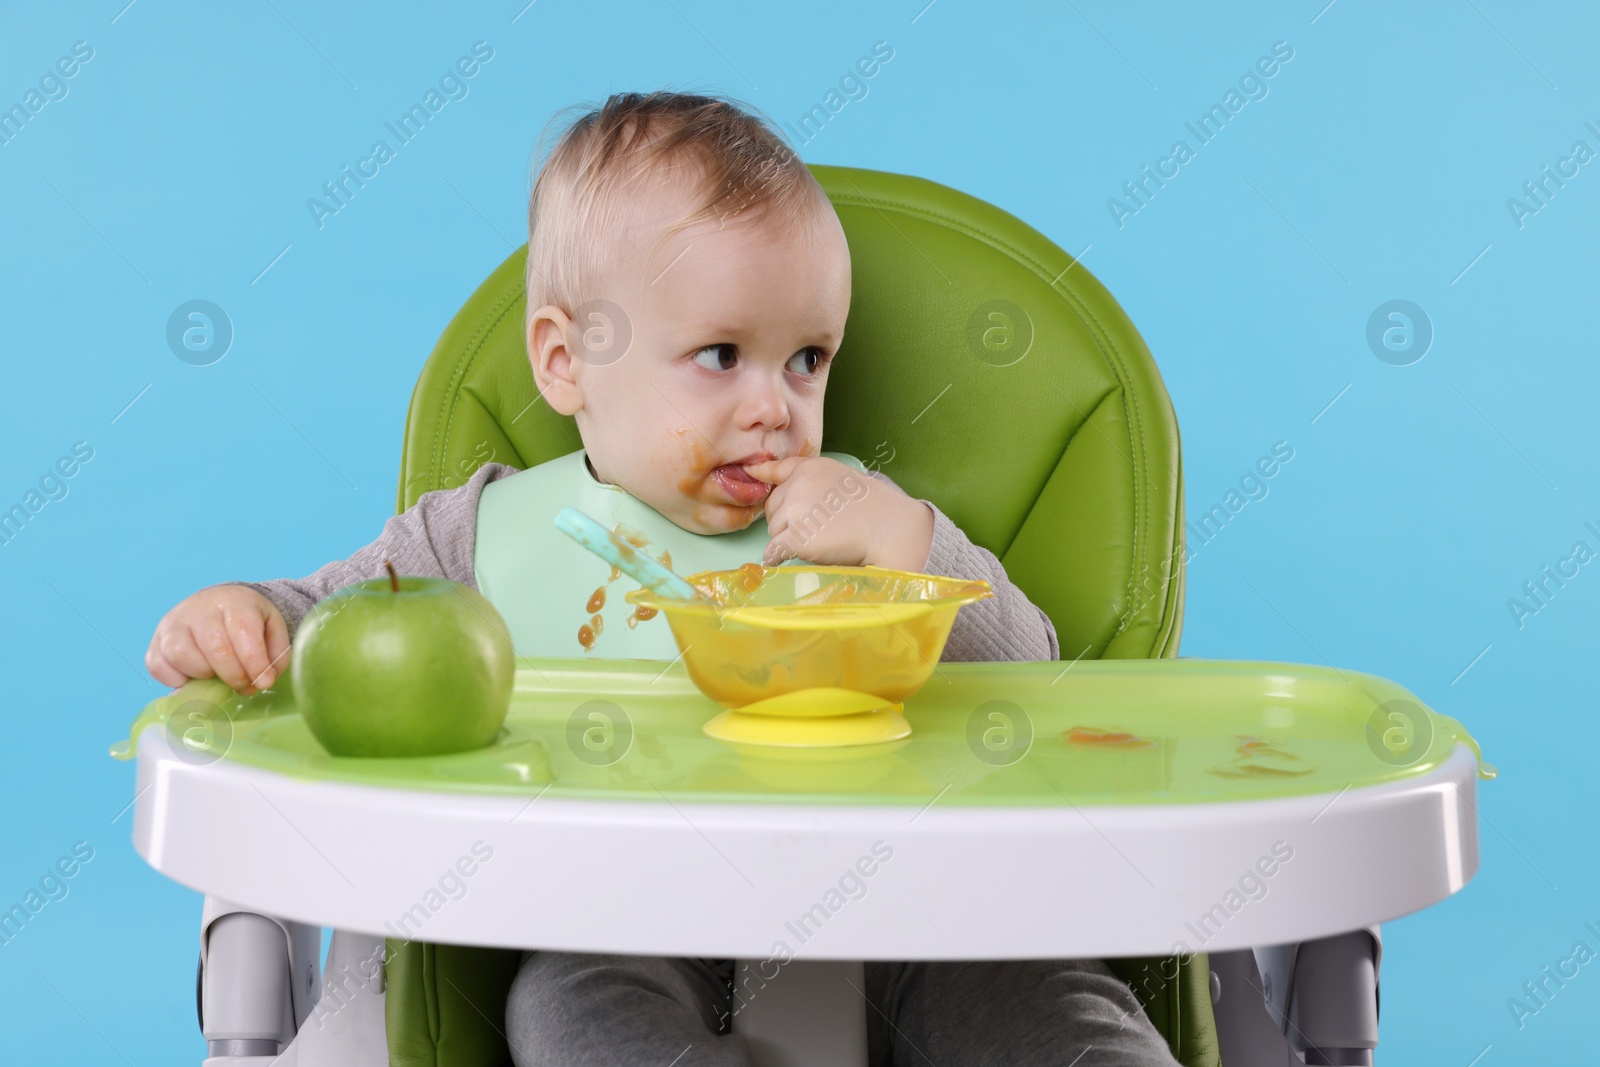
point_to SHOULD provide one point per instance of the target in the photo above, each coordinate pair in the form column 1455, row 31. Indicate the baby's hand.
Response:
column 829, row 514
column 230, row 631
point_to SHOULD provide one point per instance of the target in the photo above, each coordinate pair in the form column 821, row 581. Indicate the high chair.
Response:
column 989, row 371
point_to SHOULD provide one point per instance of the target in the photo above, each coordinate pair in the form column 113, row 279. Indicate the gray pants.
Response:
column 569, row 1009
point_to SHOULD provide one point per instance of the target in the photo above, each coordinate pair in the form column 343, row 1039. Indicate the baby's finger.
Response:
column 247, row 633
column 161, row 670
column 217, row 644
column 277, row 647
column 774, row 471
column 776, row 552
column 785, row 544
column 774, row 509
column 182, row 652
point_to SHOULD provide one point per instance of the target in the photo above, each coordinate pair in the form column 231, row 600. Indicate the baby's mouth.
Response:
column 740, row 487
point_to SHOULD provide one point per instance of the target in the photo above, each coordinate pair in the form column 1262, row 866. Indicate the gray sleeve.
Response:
column 1006, row 626
column 433, row 538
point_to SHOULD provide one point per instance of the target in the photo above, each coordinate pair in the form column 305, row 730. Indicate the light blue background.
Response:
column 1377, row 168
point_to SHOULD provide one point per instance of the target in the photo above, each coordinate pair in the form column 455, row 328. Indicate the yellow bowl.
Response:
column 775, row 630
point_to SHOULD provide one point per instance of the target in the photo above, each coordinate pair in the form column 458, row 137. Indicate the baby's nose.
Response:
column 765, row 404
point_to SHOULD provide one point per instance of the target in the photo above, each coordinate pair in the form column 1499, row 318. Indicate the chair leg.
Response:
column 244, row 989
column 1333, row 1006
column 1247, row 1034
column 1311, row 1002
column 257, row 981
column 346, row 1027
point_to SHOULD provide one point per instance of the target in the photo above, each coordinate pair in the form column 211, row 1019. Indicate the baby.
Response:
column 688, row 284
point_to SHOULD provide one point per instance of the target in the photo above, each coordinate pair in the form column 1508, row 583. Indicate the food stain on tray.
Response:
column 1097, row 737
column 1262, row 757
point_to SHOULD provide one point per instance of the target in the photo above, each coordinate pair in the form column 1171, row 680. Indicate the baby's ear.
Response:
column 552, row 359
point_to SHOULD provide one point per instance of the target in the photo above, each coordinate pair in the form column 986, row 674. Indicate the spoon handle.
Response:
column 630, row 560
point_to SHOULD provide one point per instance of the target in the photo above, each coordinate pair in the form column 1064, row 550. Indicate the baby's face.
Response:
column 733, row 325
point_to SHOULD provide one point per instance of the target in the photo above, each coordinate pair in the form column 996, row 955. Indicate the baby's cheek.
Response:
column 717, row 518
column 690, row 483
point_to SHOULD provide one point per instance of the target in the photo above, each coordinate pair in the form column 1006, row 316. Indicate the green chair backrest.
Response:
column 982, row 368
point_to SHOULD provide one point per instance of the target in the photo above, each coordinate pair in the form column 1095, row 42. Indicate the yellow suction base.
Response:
column 813, row 718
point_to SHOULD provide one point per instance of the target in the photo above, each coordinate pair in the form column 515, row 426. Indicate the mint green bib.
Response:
column 542, row 582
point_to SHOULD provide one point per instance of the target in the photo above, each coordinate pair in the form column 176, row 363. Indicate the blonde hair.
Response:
column 738, row 161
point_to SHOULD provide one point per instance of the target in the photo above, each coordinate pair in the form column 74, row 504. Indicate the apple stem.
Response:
column 394, row 579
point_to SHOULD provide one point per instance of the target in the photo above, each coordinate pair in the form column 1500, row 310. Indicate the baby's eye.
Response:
column 812, row 358
column 718, row 354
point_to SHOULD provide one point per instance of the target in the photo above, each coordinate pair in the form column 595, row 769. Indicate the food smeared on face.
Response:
column 724, row 496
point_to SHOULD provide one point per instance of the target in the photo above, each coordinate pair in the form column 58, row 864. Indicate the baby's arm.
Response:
column 240, row 631
column 1007, row 626
column 433, row 538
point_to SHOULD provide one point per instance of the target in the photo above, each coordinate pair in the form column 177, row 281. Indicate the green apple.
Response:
column 403, row 666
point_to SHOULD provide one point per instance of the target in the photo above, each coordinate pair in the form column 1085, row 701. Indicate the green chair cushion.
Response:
column 445, row 1004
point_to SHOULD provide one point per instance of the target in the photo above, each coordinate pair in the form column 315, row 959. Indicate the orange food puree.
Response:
column 629, row 542
column 1261, row 757
column 1095, row 737
column 751, row 575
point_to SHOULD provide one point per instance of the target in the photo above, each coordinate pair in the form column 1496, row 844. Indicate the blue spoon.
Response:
column 633, row 562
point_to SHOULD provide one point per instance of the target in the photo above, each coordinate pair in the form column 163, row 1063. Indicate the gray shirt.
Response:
column 435, row 537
